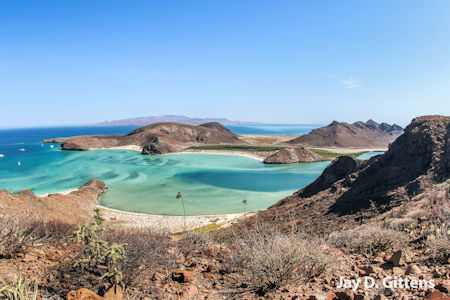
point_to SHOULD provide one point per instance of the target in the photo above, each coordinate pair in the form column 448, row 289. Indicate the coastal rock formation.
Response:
column 293, row 155
column 76, row 207
column 59, row 140
column 345, row 135
column 159, row 137
column 158, row 147
column 338, row 169
column 350, row 189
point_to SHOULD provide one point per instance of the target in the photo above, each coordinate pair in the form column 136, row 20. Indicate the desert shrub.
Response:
column 145, row 250
column 21, row 231
column 438, row 243
column 233, row 259
column 401, row 224
column 98, row 256
column 368, row 240
column 19, row 290
column 15, row 236
column 277, row 259
column 193, row 243
column 439, row 206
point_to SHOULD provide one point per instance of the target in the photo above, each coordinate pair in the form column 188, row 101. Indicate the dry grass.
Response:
column 144, row 251
column 401, row 224
column 438, row 247
column 368, row 240
column 193, row 243
column 270, row 259
column 18, row 232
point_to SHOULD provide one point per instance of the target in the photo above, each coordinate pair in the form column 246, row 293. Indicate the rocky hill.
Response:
column 293, row 155
column 76, row 207
column 345, row 135
column 157, row 138
column 350, row 189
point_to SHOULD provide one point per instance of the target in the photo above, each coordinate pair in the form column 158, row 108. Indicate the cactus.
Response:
column 99, row 253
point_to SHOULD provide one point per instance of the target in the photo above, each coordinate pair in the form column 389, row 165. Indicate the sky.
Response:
column 85, row 61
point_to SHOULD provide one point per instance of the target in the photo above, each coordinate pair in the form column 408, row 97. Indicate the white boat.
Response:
column 22, row 149
column 52, row 146
column 2, row 155
column 19, row 163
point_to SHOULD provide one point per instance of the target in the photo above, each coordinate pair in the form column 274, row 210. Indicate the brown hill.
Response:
column 76, row 207
column 345, row 135
column 350, row 190
column 157, row 138
column 293, row 155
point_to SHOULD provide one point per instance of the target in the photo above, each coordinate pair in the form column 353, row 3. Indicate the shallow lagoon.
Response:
column 210, row 184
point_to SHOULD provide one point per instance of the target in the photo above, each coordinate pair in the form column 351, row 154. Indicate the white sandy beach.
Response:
column 167, row 224
column 137, row 148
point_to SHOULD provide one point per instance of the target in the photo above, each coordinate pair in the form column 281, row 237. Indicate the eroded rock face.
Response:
column 76, row 207
column 158, row 148
column 345, row 135
column 338, row 169
column 293, row 155
column 173, row 134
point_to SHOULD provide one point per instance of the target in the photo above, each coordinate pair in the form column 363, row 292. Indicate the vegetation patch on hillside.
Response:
column 331, row 154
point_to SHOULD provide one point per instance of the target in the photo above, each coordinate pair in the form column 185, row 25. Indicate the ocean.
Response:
column 211, row 184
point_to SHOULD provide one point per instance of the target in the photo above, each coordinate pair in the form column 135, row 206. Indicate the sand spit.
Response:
column 127, row 147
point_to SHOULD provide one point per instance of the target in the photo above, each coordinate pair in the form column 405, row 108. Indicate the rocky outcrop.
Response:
column 338, row 169
column 76, row 207
column 55, row 140
column 350, row 189
column 293, row 155
column 162, row 137
column 345, row 135
column 158, row 147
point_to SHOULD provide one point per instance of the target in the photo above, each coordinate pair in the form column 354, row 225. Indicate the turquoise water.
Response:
column 210, row 184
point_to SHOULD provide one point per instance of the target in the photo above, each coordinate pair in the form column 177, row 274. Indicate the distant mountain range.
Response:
column 142, row 121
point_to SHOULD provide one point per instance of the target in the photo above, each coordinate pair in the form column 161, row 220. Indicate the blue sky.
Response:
column 77, row 62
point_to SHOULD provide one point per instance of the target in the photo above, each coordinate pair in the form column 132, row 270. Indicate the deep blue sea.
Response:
column 211, row 184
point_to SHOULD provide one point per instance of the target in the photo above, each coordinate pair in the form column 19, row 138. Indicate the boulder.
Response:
column 114, row 293
column 413, row 269
column 436, row 295
column 183, row 276
column 83, row 294
column 399, row 258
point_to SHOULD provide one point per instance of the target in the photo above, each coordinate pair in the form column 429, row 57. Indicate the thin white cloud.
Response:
column 351, row 82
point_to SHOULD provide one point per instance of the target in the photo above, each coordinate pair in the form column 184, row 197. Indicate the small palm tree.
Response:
column 245, row 203
column 179, row 196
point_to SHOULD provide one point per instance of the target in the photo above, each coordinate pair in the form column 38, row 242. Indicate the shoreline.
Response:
column 220, row 152
column 137, row 148
column 160, row 223
column 166, row 223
